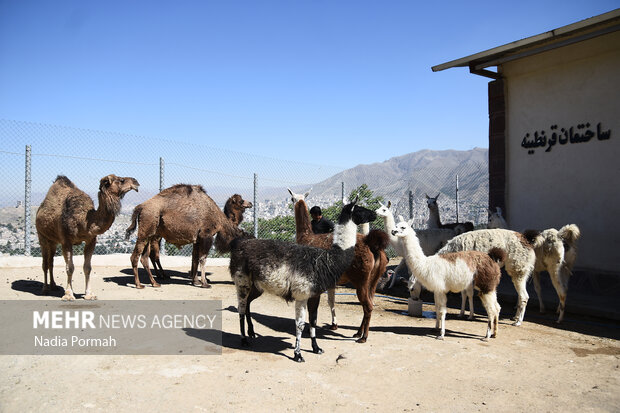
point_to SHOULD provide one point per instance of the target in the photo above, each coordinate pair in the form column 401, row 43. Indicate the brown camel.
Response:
column 182, row 214
column 364, row 273
column 233, row 209
column 67, row 216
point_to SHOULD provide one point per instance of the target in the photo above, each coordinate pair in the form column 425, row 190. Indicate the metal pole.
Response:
column 161, row 188
column 255, row 205
column 457, row 198
column 161, row 174
column 410, row 204
column 342, row 194
column 27, row 209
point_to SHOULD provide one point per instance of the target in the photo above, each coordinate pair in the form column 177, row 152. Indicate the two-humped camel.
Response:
column 67, row 216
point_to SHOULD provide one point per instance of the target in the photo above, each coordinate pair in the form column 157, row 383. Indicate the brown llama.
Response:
column 364, row 273
column 233, row 209
column 67, row 216
column 182, row 214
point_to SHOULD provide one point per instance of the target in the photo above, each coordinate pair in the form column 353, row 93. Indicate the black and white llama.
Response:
column 294, row 272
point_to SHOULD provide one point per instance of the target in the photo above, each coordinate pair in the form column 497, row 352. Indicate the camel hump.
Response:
column 183, row 189
column 63, row 180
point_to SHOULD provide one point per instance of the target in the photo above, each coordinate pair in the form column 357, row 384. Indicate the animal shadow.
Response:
column 36, row 287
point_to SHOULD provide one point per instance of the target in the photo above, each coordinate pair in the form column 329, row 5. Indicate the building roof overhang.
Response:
column 573, row 33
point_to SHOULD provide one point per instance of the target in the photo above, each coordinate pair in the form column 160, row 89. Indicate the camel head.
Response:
column 237, row 202
column 117, row 186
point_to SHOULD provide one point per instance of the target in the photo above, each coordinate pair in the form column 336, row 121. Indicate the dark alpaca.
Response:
column 233, row 209
column 435, row 222
column 365, row 271
column 182, row 214
column 67, row 216
column 294, row 272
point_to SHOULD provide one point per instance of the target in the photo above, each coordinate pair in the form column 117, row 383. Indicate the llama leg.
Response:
column 561, row 287
column 313, row 309
column 135, row 256
column 243, row 287
column 300, row 317
column 441, row 301
column 88, row 255
column 489, row 301
column 367, row 306
column 537, row 287
column 520, row 285
column 331, row 300
column 470, row 297
column 67, row 253
column 254, row 293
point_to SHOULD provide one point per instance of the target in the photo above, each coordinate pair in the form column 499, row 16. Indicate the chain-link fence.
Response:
column 32, row 155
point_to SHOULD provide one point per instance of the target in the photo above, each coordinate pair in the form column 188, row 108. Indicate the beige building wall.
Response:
column 575, row 182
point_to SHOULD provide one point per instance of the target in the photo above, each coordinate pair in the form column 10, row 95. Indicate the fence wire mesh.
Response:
column 85, row 156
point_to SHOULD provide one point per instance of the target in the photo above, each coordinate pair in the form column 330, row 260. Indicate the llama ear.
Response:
column 389, row 205
column 355, row 200
column 427, row 197
column 307, row 193
column 410, row 222
column 438, row 195
column 490, row 211
column 499, row 210
column 400, row 218
column 290, row 192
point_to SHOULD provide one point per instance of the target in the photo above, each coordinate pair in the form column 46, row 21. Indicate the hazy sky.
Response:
column 327, row 82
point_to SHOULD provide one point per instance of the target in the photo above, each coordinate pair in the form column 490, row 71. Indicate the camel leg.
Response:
column 523, row 296
column 203, row 252
column 537, row 287
column 300, row 321
column 144, row 259
column 194, row 270
column 67, row 253
column 89, row 248
column 331, row 301
column 135, row 256
column 154, row 256
column 47, row 254
column 367, row 306
column 313, row 309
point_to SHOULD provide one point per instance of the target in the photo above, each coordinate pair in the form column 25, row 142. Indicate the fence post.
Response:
column 457, row 198
column 161, row 188
column 342, row 194
column 161, row 174
column 410, row 204
column 27, row 209
column 255, row 205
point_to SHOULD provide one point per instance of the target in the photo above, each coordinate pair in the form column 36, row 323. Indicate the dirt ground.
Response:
column 539, row 366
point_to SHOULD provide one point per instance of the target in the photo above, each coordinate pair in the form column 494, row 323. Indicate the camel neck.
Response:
column 107, row 210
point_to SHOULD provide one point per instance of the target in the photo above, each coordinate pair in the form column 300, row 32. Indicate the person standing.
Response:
column 320, row 224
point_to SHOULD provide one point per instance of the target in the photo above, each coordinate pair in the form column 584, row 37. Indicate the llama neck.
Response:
column 103, row 217
column 390, row 224
column 302, row 219
column 433, row 219
column 414, row 255
column 345, row 235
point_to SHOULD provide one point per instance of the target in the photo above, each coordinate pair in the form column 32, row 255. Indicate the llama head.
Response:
column 384, row 210
column 298, row 197
column 403, row 228
column 356, row 213
column 496, row 220
column 431, row 203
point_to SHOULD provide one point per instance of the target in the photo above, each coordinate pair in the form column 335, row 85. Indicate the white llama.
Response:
column 443, row 273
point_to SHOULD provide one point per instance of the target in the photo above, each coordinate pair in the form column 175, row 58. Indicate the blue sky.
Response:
column 336, row 83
